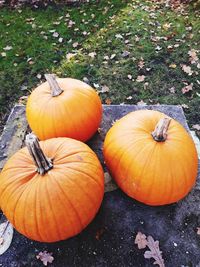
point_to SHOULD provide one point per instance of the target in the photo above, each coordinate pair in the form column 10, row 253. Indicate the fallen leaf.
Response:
column 108, row 101
column 125, row 54
column 198, row 230
column 141, row 63
column 3, row 54
column 141, row 240
column 119, row 36
column 197, row 127
column 110, row 185
column 141, row 103
column 7, row 48
column 154, row 252
column 158, row 48
column 99, row 233
column 193, row 56
column 104, row 89
column 140, row 78
column 187, row 88
column 129, row 97
column 173, row 66
column 187, row 69
column 45, row 257
column 60, row 40
column 92, row 54
column 184, row 106
column 55, row 34
column 6, row 235
column 70, row 55
column 75, row 44
column 166, row 26
column 172, row 90
column 112, row 56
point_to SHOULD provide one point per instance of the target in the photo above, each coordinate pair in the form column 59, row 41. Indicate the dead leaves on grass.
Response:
column 154, row 251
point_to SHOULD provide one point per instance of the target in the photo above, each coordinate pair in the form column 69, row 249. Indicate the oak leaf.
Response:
column 141, row 240
column 45, row 257
column 154, row 252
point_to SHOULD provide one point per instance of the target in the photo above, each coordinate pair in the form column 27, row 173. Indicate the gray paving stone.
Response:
column 120, row 217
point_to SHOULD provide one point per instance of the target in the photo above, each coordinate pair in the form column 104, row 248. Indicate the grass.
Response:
column 117, row 42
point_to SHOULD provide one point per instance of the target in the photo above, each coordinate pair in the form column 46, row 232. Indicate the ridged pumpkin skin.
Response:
column 59, row 204
column 155, row 173
column 75, row 113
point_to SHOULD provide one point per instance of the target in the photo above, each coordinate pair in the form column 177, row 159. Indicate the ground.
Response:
column 129, row 51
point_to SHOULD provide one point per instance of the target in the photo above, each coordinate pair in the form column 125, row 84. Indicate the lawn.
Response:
column 135, row 52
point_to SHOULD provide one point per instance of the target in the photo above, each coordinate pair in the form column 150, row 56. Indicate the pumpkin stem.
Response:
column 55, row 88
column 160, row 132
column 42, row 163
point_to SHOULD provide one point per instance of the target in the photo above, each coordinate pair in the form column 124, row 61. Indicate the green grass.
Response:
column 115, row 26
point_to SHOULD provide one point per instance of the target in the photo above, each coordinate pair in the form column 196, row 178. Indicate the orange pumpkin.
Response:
column 60, row 197
column 64, row 108
column 151, row 157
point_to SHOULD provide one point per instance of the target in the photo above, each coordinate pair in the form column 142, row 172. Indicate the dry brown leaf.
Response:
column 110, row 185
column 140, row 78
column 141, row 63
column 187, row 88
column 166, row 26
column 92, row 54
column 141, row 240
column 75, row 44
column 197, row 127
column 154, row 252
column 108, row 101
column 187, row 69
column 173, row 66
column 45, row 257
column 104, row 89
column 141, row 103
column 6, row 235
column 172, row 90
column 99, row 233
column 193, row 56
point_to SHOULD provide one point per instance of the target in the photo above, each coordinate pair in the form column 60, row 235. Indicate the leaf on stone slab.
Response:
column 6, row 235
column 45, row 257
column 141, row 240
column 154, row 252
column 197, row 127
column 110, row 185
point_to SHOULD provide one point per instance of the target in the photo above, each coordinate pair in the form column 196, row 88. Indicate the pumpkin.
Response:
column 64, row 107
column 151, row 157
column 51, row 190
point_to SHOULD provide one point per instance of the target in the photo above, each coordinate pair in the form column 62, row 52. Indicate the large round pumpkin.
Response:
column 64, row 108
column 60, row 197
column 151, row 157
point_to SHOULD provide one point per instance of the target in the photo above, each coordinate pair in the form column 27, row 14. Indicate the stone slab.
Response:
column 119, row 218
